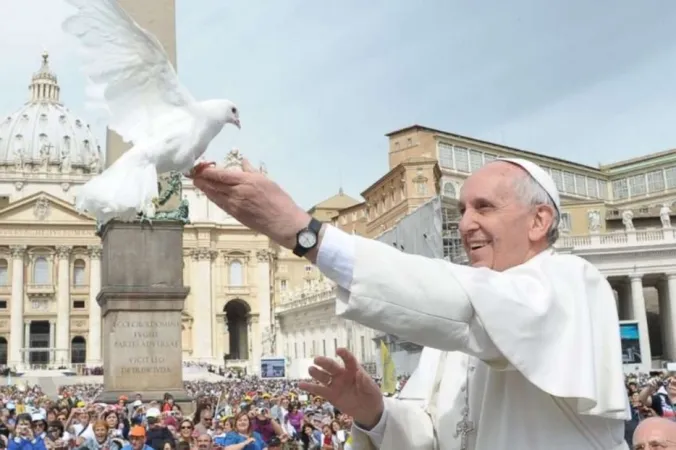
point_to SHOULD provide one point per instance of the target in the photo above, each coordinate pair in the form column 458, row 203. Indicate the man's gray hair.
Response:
column 532, row 194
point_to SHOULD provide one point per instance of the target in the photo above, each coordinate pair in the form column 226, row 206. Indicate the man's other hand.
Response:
column 349, row 388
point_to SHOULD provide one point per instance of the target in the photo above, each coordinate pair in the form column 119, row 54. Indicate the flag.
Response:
column 389, row 385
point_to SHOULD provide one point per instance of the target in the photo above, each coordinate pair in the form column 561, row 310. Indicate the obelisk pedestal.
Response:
column 142, row 297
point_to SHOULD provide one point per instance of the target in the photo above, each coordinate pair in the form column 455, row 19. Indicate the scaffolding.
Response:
column 432, row 230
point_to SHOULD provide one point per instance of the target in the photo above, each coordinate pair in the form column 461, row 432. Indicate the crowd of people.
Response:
column 650, row 395
column 234, row 414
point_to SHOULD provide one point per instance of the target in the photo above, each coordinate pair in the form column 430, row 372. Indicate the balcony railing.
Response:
column 319, row 293
column 39, row 289
column 618, row 239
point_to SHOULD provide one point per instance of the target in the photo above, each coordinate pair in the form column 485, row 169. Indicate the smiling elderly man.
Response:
column 528, row 340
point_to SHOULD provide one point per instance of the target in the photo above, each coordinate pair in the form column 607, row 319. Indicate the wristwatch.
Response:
column 307, row 238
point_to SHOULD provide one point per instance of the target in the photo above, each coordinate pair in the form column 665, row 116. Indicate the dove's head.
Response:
column 224, row 111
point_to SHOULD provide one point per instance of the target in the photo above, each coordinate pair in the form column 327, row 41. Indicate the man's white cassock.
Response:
column 537, row 347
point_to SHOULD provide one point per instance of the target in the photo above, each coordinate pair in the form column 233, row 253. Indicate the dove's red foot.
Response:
column 199, row 168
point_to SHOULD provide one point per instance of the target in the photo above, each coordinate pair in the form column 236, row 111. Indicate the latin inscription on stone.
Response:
column 144, row 346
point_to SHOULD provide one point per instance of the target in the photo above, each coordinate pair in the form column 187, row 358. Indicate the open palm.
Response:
column 348, row 387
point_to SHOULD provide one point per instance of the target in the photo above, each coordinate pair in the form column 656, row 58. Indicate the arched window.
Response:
column 41, row 271
column 4, row 272
column 235, row 277
column 79, row 273
column 449, row 190
column 78, row 350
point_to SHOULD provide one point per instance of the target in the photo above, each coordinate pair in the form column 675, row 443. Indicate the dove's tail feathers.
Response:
column 122, row 191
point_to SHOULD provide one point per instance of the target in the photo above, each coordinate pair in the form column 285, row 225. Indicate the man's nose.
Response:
column 467, row 223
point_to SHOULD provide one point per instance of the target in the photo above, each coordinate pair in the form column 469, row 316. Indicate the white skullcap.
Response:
column 541, row 177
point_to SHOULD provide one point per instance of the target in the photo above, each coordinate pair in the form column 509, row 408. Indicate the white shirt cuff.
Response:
column 335, row 258
column 377, row 433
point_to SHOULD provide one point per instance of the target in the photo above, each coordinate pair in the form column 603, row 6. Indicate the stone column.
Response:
column 639, row 315
column 16, row 309
column 670, row 295
column 254, row 344
column 63, row 305
column 94, row 341
column 26, row 340
column 264, row 307
column 52, row 341
column 279, row 338
column 665, row 319
column 200, row 285
column 226, row 336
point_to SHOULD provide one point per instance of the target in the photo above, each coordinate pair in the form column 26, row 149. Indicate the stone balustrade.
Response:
column 320, row 293
column 617, row 239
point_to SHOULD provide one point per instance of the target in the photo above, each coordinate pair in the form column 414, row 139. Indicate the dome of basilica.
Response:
column 44, row 136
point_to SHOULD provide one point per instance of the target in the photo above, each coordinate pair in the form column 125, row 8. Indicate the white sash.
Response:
column 432, row 401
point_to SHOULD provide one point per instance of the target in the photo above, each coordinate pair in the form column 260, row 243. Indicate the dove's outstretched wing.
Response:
column 127, row 66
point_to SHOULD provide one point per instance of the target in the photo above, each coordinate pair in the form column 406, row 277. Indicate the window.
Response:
column 78, row 350
column 565, row 221
column 592, row 188
column 670, row 176
column 308, row 268
column 568, row 182
column 620, row 189
column 655, row 181
column 4, row 272
column 580, row 185
column 445, row 155
column 476, row 160
column 283, row 285
column 603, row 189
column 461, row 159
column 79, row 272
column 3, row 304
column 558, row 179
column 637, row 185
column 41, row 271
column 449, row 190
column 79, row 304
column 236, row 273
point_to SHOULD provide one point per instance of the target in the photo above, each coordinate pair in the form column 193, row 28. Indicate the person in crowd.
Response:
column 157, row 433
column 310, row 437
column 243, row 437
column 186, row 431
column 205, row 442
column 558, row 308
column 103, row 440
column 660, row 395
column 137, row 439
column 23, row 437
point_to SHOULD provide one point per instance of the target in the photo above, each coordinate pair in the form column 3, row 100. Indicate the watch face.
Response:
column 307, row 239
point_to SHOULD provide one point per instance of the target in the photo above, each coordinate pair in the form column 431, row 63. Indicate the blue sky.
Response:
column 320, row 83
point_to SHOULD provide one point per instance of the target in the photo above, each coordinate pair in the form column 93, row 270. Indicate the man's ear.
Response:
column 542, row 222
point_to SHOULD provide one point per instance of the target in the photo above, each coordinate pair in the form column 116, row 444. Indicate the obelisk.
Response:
column 142, row 294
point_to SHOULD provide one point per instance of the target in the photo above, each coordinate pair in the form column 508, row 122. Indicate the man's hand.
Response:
column 255, row 201
column 350, row 389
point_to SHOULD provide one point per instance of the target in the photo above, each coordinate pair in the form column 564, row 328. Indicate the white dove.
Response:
column 147, row 106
